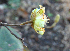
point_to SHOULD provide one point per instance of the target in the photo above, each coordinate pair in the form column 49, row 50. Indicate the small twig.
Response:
column 56, row 20
column 21, row 39
column 54, row 24
column 13, row 34
column 5, row 24
column 26, row 22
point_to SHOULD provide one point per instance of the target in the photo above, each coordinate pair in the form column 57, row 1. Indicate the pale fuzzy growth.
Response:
column 57, row 18
column 39, row 19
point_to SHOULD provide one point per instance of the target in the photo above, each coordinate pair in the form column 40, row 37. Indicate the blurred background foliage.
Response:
column 14, row 4
column 55, row 39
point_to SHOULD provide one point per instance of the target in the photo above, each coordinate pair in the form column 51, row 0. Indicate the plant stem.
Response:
column 5, row 24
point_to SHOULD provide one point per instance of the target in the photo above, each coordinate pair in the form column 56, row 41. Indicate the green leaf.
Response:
column 14, row 4
column 9, row 42
column 50, row 14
